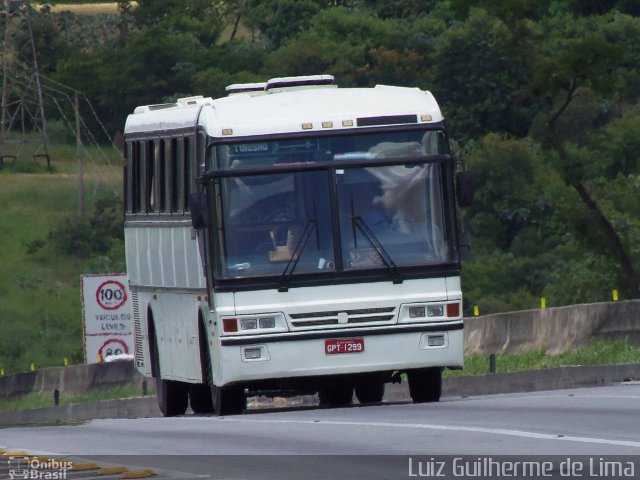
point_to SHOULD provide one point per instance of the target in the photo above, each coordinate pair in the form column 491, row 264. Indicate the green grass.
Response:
column 40, row 309
column 40, row 400
column 600, row 352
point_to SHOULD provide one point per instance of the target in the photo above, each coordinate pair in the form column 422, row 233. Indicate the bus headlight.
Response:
column 267, row 322
column 429, row 312
column 253, row 325
column 248, row 323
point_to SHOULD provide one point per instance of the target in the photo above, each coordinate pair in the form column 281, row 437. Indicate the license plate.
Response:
column 343, row 345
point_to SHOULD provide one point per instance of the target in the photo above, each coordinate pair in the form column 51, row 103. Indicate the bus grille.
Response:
column 137, row 331
column 367, row 315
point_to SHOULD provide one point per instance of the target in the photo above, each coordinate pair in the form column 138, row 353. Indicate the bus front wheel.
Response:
column 425, row 384
column 228, row 400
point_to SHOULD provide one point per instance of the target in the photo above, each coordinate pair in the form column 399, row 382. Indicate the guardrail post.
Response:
column 492, row 363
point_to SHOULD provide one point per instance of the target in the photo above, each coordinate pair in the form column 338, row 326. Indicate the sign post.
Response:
column 107, row 316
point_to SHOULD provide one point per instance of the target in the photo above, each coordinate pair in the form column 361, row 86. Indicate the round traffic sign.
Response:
column 111, row 295
column 113, row 346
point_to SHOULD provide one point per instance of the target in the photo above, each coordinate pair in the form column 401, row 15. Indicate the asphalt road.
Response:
column 381, row 441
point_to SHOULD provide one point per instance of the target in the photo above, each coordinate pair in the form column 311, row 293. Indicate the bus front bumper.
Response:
column 322, row 353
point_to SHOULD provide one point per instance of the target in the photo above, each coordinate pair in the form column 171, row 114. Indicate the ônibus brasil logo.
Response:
column 26, row 468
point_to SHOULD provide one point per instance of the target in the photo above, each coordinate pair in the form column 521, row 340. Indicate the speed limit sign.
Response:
column 111, row 295
column 108, row 316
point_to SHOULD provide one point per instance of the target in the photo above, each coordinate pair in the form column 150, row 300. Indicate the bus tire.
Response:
column 370, row 392
column 173, row 396
column 228, row 400
column 200, row 398
column 425, row 384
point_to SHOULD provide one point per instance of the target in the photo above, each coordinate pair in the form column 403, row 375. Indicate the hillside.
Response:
column 40, row 311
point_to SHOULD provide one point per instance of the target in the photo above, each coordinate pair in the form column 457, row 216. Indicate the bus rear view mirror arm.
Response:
column 465, row 188
column 199, row 210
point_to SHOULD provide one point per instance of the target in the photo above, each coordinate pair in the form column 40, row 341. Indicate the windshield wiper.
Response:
column 361, row 225
column 295, row 256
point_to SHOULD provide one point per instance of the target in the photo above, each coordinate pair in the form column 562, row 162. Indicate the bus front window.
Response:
column 386, row 213
column 264, row 218
column 403, row 209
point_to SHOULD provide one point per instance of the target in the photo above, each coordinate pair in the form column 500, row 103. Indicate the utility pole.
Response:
column 5, row 69
column 79, row 157
column 36, row 73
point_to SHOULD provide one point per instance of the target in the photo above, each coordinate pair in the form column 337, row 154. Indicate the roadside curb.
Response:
column 529, row 381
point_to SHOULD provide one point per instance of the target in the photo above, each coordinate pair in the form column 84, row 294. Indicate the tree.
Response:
column 338, row 42
column 200, row 18
column 279, row 20
column 479, row 76
column 571, row 58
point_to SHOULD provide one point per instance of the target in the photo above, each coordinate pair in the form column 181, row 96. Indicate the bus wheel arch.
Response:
column 172, row 395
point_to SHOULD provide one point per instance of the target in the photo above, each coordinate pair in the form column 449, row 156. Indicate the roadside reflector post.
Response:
column 476, row 311
column 614, row 294
column 56, row 397
column 33, row 367
column 66, row 362
column 492, row 363
column 543, row 303
column 1, row 372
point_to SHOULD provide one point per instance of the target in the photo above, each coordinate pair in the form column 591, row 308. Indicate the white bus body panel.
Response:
column 165, row 257
column 166, row 276
column 303, row 357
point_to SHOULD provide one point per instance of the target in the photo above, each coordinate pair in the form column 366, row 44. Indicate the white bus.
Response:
column 293, row 236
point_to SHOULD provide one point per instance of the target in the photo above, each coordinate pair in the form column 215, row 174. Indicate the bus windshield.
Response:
column 344, row 217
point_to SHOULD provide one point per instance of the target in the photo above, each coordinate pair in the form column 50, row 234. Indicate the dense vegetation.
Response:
column 541, row 99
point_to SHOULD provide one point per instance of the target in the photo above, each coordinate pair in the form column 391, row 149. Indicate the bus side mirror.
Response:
column 199, row 210
column 465, row 188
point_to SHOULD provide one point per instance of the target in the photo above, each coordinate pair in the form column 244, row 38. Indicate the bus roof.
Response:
column 323, row 108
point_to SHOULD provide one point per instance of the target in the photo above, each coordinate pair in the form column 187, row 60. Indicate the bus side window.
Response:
column 128, row 175
column 191, row 168
column 158, row 184
column 141, row 175
column 165, row 154
column 151, row 181
column 201, row 156
column 179, row 179
column 211, row 158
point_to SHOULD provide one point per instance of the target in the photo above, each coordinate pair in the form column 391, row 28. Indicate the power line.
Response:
column 27, row 95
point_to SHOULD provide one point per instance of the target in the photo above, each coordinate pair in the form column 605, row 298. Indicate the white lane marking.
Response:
column 580, row 395
column 451, row 428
